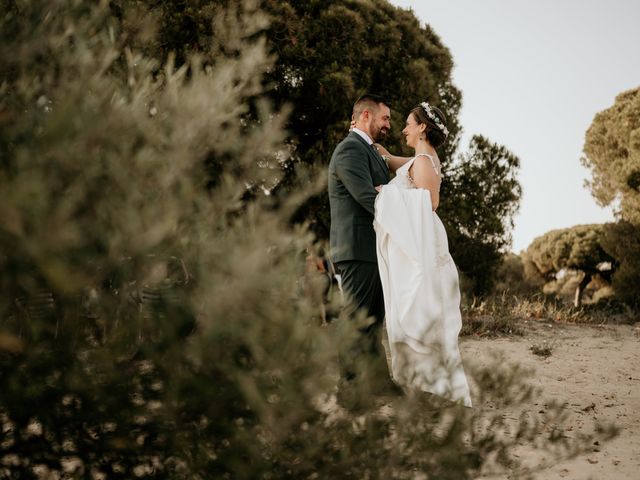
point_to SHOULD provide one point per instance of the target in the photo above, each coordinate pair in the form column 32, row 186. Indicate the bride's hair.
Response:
column 434, row 133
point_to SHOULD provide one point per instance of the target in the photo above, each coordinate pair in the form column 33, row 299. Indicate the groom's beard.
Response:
column 378, row 134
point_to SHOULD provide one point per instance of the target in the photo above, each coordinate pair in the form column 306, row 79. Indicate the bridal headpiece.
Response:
column 427, row 109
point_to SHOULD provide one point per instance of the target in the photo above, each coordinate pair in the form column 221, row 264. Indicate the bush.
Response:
column 515, row 278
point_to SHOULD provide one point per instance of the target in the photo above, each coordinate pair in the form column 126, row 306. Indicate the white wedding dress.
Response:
column 421, row 290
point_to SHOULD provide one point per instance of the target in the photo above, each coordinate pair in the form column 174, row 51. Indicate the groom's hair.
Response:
column 368, row 101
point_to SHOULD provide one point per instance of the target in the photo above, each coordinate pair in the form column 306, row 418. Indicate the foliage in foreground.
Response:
column 152, row 324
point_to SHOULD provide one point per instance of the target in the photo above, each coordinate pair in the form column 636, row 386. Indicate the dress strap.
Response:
column 430, row 158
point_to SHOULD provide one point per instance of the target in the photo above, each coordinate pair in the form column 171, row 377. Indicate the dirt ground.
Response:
column 595, row 371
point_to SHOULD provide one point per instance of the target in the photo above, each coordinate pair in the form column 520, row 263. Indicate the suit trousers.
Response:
column 363, row 289
column 361, row 283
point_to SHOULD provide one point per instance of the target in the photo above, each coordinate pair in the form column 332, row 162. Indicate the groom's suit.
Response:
column 354, row 170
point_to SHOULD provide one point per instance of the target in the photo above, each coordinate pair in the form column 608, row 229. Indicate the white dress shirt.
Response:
column 363, row 135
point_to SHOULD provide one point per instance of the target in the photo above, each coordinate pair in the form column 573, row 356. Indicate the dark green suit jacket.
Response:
column 354, row 171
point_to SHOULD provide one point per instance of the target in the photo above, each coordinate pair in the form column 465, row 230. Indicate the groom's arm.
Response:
column 354, row 173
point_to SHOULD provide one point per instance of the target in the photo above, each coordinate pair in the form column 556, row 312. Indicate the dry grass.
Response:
column 505, row 313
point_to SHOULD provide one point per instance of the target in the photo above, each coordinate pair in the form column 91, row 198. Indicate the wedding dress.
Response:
column 421, row 290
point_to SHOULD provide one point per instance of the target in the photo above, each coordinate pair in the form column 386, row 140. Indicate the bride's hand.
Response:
column 378, row 188
column 353, row 125
column 381, row 149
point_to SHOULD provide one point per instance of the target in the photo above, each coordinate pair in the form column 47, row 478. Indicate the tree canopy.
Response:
column 331, row 52
column 578, row 248
column 612, row 153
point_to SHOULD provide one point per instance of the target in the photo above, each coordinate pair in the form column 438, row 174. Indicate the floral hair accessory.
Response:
column 427, row 108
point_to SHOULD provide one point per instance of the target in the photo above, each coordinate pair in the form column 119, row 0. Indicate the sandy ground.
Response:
column 596, row 372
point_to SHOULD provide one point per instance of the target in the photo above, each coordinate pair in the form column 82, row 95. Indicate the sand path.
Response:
column 596, row 372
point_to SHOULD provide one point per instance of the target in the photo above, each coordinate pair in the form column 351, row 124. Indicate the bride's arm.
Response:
column 425, row 176
column 394, row 161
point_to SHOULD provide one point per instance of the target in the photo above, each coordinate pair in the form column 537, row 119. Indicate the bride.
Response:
column 419, row 278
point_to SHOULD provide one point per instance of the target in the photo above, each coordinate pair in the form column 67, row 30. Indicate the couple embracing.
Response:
column 392, row 253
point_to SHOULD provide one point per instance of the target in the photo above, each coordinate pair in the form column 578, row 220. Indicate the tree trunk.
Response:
column 577, row 301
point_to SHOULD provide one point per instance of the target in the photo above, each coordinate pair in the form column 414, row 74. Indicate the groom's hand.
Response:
column 378, row 188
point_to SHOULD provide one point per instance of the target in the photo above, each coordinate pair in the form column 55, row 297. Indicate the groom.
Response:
column 355, row 169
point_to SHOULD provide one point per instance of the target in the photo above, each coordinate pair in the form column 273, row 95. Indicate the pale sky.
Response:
column 533, row 74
